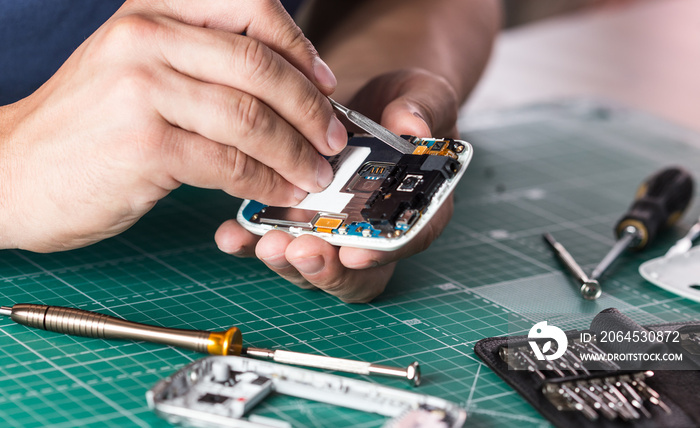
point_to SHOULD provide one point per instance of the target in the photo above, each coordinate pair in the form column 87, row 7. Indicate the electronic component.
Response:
column 409, row 183
column 223, row 390
column 379, row 198
column 327, row 223
column 374, row 170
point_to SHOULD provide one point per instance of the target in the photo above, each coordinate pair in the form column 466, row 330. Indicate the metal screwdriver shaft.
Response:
column 375, row 129
column 629, row 236
column 659, row 203
column 411, row 373
column 78, row 322
column 590, row 288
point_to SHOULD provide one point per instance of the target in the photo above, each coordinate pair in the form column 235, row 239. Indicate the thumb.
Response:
column 425, row 106
column 403, row 116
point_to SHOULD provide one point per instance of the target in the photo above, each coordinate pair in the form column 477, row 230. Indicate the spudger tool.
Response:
column 374, row 129
column 659, row 203
column 79, row 322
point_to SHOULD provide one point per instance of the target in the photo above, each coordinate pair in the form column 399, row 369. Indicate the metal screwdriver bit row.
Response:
column 622, row 396
column 570, row 386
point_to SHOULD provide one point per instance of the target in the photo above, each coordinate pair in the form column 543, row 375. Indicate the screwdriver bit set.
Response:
column 582, row 386
column 569, row 386
column 622, row 396
column 521, row 357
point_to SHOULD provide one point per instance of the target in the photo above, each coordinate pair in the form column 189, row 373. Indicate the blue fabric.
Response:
column 37, row 36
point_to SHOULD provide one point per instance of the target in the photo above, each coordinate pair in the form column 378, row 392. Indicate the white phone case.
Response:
column 345, row 213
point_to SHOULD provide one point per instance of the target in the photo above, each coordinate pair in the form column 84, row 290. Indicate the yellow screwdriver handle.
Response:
column 229, row 342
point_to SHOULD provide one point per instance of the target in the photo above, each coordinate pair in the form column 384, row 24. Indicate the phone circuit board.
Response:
column 379, row 198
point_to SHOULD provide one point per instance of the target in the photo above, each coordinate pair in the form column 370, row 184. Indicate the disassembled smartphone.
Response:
column 379, row 199
column 222, row 391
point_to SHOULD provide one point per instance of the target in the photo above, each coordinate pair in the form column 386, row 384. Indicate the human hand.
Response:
column 407, row 102
column 164, row 93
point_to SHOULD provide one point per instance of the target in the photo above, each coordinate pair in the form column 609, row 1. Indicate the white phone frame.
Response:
column 381, row 243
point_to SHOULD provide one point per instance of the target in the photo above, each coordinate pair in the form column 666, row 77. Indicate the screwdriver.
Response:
column 79, row 322
column 590, row 288
column 659, row 203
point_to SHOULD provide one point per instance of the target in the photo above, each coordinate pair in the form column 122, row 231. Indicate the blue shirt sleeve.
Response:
column 37, row 36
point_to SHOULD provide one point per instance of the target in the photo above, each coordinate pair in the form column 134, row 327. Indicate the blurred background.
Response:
column 643, row 54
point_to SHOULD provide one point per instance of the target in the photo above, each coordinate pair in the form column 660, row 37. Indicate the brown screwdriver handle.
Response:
column 78, row 322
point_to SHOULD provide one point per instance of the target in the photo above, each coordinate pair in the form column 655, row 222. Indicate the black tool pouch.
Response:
column 552, row 389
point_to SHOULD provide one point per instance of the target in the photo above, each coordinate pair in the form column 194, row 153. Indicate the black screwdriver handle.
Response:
column 659, row 203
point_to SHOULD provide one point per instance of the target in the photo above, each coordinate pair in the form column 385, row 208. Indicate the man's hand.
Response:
column 164, row 93
column 412, row 102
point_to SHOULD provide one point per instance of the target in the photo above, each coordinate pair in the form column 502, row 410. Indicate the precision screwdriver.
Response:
column 79, row 322
column 590, row 288
column 659, row 203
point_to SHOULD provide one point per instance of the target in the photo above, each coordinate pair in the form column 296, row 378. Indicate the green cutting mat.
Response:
column 567, row 169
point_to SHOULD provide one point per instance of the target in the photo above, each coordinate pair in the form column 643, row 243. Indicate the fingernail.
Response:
column 337, row 135
column 299, row 195
column 364, row 265
column 324, row 173
column 240, row 252
column 323, row 74
column 278, row 261
column 309, row 265
column 420, row 115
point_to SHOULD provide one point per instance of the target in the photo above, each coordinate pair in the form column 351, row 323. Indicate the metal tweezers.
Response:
column 374, row 129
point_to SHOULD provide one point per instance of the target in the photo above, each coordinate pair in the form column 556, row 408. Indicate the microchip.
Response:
column 410, row 182
column 328, row 222
column 420, row 150
column 260, row 381
column 212, row 398
column 438, row 145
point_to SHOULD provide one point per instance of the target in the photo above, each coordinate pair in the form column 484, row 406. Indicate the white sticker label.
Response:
column 344, row 165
